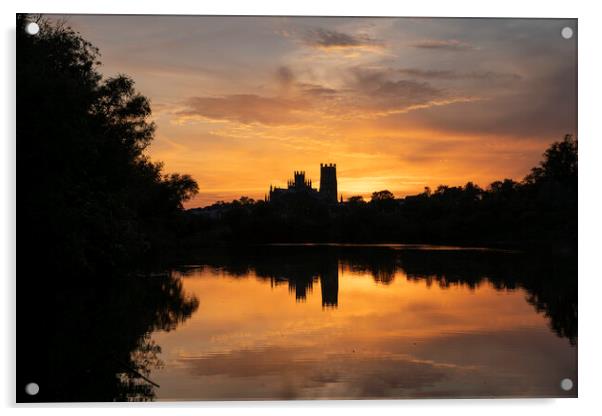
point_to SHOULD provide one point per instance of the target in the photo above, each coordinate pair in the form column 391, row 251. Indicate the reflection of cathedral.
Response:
column 301, row 279
column 301, row 186
column 329, row 282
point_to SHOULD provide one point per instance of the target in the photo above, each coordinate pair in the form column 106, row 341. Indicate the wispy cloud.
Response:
column 331, row 39
column 244, row 108
column 446, row 44
column 456, row 75
column 382, row 93
column 366, row 94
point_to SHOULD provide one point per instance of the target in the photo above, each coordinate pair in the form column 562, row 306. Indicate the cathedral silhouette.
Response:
column 300, row 185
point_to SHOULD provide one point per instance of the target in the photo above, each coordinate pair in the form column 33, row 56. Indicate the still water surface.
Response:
column 371, row 322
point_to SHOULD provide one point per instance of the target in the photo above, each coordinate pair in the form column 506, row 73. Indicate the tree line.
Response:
column 540, row 210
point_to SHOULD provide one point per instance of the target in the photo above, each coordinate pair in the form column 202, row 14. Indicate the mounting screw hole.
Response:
column 566, row 32
column 32, row 389
column 566, row 384
column 32, row 28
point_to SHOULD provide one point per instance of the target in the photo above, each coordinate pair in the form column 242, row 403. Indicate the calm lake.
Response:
column 386, row 321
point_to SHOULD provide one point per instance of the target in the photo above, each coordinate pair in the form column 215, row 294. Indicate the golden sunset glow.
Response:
column 245, row 208
column 247, row 328
column 397, row 104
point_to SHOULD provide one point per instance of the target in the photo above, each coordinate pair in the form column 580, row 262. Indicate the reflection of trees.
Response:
column 99, row 346
column 551, row 282
column 558, row 302
column 377, row 262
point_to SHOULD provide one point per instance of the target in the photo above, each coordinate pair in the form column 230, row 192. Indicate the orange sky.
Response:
column 396, row 103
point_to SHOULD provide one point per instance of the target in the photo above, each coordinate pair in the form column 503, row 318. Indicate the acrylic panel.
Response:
column 279, row 208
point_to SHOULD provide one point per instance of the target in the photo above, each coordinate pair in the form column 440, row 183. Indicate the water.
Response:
column 346, row 322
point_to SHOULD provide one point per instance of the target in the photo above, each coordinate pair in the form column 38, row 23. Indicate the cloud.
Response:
column 317, row 90
column 285, row 77
column 366, row 94
column 543, row 107
column 410, row 91
column 447, row 74
column 379, row 93
column 244, row 108
column 379, row 83
column 450, row 45
column 330, row 39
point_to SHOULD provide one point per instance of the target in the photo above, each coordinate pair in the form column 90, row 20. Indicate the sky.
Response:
column 397, row 103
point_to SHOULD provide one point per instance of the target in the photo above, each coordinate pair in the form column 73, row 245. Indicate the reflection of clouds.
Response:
column 358, row 374
column 519, row 363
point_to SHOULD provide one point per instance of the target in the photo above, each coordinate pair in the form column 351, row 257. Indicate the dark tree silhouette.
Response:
column 93, row 199
column 539, row 212
column 356, row 199
column 93, row 210
column 382, row 196
column 559, row 164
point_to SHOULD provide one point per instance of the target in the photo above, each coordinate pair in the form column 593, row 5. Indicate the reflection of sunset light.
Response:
column 363, row 304
column 259, row 334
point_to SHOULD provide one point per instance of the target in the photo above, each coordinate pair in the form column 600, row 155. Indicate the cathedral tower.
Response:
column 328, row 181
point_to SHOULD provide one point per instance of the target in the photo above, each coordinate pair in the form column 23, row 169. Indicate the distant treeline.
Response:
column 541, row 210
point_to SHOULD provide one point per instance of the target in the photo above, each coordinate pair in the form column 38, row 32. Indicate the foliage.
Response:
column 90, row 197
column 93, row 209
column 559, row 164
column 382, row 196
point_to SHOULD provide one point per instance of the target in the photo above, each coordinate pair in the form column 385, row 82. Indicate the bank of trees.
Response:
column 540, row 210
column 89, row 199
column 92, row 210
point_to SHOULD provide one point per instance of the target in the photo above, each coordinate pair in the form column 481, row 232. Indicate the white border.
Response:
column 590, row 199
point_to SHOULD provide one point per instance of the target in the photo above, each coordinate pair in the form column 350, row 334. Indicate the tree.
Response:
column 94, row 200
column 559, row 163
column 356, row 199
column 382, row 196
column 93, row 211
column 246, row 201
column 472, row 192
